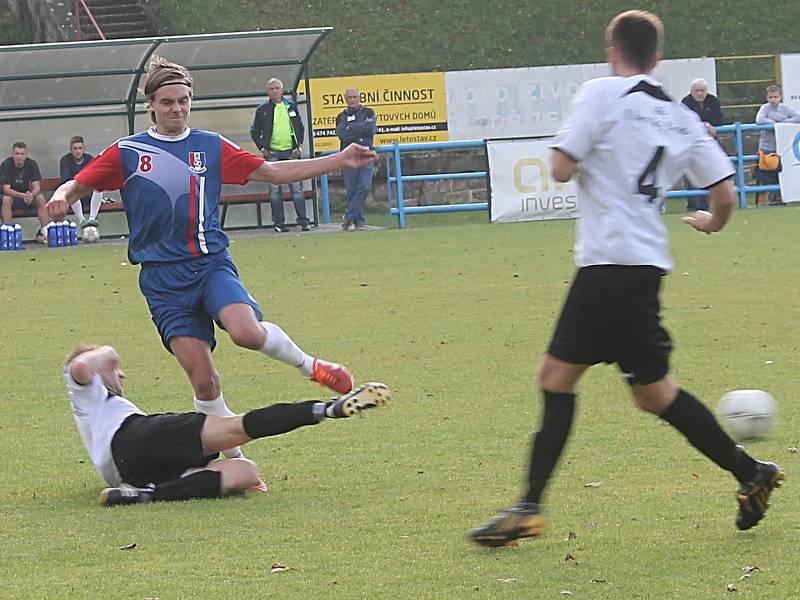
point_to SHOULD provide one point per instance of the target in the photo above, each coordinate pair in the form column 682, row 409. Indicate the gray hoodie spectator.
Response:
column 774, row 111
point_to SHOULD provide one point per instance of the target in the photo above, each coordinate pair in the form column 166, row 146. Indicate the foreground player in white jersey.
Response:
column 175, row 456
column 629, row 143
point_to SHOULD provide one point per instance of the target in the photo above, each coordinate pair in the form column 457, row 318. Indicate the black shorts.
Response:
column 611, row 315
column 158, row 448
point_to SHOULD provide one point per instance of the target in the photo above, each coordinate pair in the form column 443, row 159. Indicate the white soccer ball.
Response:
column 748, row 413
column 90, row 234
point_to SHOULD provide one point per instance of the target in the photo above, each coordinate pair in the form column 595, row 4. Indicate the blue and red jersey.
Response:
column 170, row 189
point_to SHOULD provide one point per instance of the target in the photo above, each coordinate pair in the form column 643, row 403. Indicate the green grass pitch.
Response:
column 454, row 319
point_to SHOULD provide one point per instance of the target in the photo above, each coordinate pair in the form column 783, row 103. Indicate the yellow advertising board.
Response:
column 411, row 107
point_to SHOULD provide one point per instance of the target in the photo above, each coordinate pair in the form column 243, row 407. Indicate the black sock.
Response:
column 279, row 418
column 690, row 416
column 203, row 484
column 549, row 441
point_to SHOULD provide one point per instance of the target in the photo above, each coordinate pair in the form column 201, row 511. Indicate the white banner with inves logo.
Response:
column 521, row 184
column 787, row 140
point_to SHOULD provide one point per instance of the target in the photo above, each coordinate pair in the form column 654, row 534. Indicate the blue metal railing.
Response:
column 740, row 158
column 393, row 156
column 739, row 161
column 397, row 178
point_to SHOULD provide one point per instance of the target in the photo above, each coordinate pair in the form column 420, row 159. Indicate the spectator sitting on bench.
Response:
column 21, row 182
column 69, row 166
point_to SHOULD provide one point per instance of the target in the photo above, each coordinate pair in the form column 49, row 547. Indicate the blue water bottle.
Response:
column 73, row 234
column 3, row 237
column 51, row 234
column 17, row 237
column 65, row 233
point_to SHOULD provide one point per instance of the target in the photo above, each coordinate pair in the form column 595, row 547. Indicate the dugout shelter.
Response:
column 51, row 92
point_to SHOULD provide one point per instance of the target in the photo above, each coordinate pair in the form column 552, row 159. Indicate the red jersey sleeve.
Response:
column 104, row 172
column 237, row 164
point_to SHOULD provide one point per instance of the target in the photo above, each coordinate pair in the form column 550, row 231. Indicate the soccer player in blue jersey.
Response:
column 170, row 178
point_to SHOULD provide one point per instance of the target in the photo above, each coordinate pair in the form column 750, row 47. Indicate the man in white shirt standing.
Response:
column 175, row 456
column 630, row 143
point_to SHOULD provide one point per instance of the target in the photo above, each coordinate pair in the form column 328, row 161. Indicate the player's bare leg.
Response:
column 242, row 326
column 236, row 475
column 657, row 396
column 194, row 355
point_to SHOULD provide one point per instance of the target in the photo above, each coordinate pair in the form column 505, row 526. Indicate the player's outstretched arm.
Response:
column 64, row 197
column 564, row 166
column 85, row 365
column 289, row 171
column 722, row 202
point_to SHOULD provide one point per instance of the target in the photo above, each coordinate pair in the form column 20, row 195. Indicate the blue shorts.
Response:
column 29, row 210
column 185, row 297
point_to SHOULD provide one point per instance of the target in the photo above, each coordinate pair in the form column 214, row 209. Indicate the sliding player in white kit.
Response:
column 175, row 456
column 628, row 142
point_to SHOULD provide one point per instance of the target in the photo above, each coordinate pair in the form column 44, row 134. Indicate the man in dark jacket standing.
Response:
column 277, row 131
column 705, row 105
column 708, row 108
column 356, row 124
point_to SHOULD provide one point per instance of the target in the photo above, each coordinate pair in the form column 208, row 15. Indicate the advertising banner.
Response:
column 787, row 140
column 521, row 185
column 410, row 107
column 790, row 80
column 533, row 101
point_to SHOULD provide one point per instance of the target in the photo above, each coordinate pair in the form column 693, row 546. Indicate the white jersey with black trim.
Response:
column 632, row 143
column 98, row 415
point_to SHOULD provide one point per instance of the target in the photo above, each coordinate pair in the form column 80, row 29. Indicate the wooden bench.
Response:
column 49, row 185
column 254, row 199
column 30, row 224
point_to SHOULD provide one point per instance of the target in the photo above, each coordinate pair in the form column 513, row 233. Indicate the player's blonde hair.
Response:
column 638, row 36
column 78, row 350
column 161, row 72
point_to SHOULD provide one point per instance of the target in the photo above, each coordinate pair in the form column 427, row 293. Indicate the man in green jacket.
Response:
column 277, row 131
